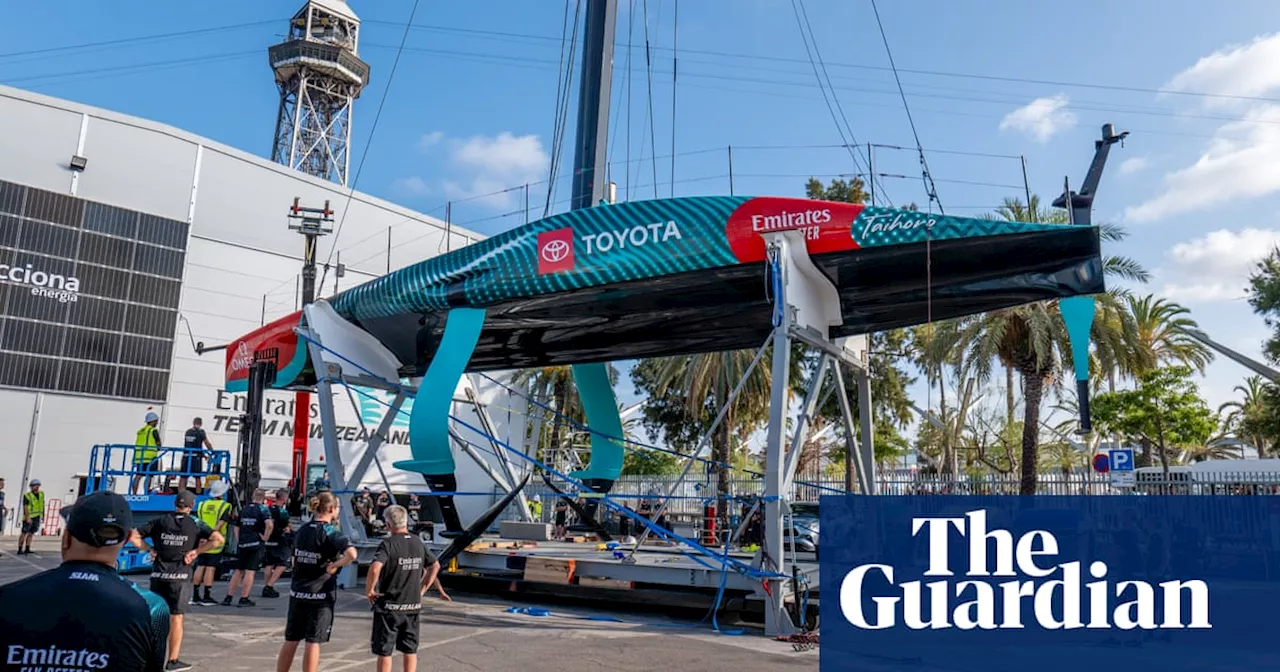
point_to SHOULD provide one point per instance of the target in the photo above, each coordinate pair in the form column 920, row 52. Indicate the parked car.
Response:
column 804, row 527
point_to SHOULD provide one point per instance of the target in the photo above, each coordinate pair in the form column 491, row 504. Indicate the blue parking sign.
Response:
column 1122, row 459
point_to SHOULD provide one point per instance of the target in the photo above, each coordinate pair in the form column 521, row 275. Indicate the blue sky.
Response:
column 471, row 108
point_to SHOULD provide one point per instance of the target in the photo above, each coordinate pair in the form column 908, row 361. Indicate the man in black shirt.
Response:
column 255, row 527
column 194, row 441
column 82, row 614
column 402, row 571
column 278, row 550
column 319, row 552
column 176, row 539
column 362, row 504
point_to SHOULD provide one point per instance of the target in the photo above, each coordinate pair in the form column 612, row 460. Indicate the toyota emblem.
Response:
column 555, row 251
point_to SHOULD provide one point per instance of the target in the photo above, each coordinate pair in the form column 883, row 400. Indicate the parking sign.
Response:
column 1121, row 468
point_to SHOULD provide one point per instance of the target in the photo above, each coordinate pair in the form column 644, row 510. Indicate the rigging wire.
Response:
column 631, row 31
column 929, row 186
column 141, row 38
column 337, row 232
column 493, row 34
column 820, row 73
column 615, row 122
column 648, row 66
column 564, row 88
column 675, row 59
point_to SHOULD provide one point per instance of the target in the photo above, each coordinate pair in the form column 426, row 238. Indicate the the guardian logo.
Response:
column 1030, row 596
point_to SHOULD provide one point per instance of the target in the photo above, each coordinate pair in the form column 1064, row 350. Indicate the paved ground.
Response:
column 472, row 633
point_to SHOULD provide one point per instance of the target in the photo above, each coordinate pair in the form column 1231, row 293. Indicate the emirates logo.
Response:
column 555, row 251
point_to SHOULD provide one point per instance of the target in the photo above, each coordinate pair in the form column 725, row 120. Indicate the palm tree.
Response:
column 1162, row 337
column 937, row 351
column 705, row 382
column 1014, row 210
column 553, row 387
column 1240, row 417
column 1032, row 340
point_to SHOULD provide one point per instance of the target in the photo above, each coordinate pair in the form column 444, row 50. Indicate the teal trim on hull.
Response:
column 429, row 419
column 284, row 377
column 601, row 408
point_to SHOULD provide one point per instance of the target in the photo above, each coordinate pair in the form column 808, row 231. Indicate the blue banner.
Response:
column 1042, row 584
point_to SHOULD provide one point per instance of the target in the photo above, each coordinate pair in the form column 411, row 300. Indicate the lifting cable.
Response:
column 739, row 566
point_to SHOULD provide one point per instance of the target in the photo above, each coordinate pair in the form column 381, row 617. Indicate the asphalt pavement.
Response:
column 470, row 633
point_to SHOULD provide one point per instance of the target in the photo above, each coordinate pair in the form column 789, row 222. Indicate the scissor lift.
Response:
column 112, row 467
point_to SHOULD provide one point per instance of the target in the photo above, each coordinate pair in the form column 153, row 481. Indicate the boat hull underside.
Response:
column 729, row 308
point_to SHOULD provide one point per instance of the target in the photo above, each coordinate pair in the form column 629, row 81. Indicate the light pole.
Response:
column 311, row 223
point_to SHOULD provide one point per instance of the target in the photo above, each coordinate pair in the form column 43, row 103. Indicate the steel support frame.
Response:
column 780, row 466
column 504, row 460
column 484, row 465
column 777, row 621
column 706, row 439
column 351, row 526
column 341, row 481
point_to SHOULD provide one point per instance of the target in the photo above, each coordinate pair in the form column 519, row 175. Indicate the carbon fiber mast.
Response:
column 590, row 164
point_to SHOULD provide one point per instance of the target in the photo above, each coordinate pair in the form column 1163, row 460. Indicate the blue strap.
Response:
column 601, row 408
column 429, row 419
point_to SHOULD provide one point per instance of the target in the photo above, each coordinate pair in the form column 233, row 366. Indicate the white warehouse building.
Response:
column 122, row 243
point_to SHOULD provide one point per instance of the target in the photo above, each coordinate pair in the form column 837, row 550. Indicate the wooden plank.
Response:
column 601, row 582
column 549, row 570
column 480, row 546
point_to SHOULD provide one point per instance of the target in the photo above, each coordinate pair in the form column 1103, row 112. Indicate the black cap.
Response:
column 184, row 499
column 99, row 519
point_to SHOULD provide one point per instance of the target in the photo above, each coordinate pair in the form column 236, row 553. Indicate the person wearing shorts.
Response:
column 402, row 571
column 319, row 551
column 251, row 552
column 278, row 544
column 561, row 517
column 214, row 512
column 32, row 513
column 177, row 538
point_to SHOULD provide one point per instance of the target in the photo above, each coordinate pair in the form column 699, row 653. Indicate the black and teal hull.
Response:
column 680, row 276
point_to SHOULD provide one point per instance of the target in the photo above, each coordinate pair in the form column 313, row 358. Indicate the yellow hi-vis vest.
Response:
column 34, row 502
column 210, row 513
column 145, row 450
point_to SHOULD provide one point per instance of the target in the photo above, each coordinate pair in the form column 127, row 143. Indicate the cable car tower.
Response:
column 320, row 75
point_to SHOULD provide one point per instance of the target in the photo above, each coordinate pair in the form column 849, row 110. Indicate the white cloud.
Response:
column 1242, row 161
column 1136, row 164
column 489, row 170
column 1235, row 70
column 429, row 140
column 502, row 155
column 1216, row 266
column 411, row 186
column 1042, row 118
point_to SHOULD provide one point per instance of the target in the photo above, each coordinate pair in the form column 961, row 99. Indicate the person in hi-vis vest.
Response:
column 216, row 513
column 32, row 512
column 146, row 453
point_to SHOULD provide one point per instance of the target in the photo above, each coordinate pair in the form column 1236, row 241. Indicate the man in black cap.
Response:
column 82, row 614
column 176, row 539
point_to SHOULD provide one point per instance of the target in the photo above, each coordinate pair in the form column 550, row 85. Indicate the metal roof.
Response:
column 260, row 162
column 337, row 7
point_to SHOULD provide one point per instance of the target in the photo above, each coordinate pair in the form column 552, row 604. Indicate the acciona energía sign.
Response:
column 1012, row 575
column 42, row 283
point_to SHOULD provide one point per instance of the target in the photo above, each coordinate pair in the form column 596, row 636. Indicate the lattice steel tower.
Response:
column 320, row 76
